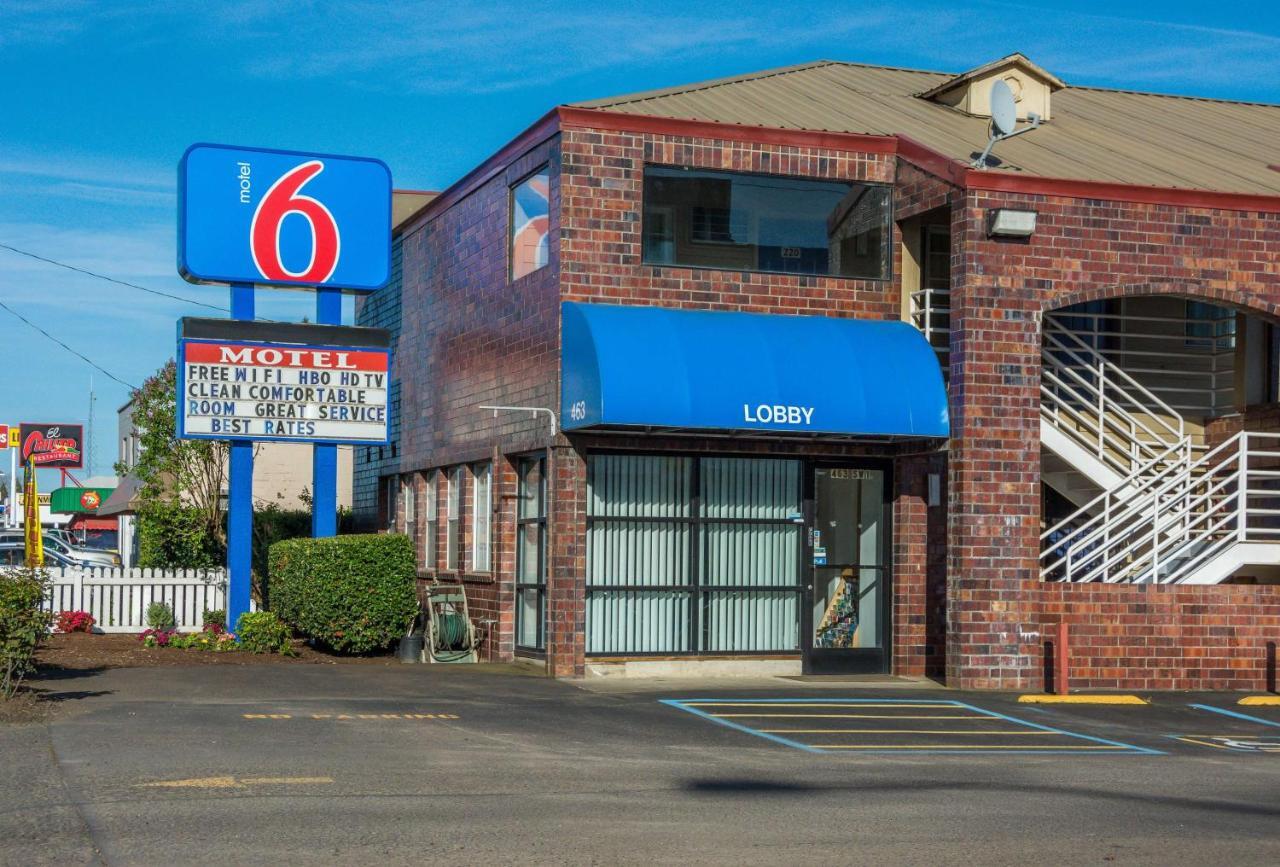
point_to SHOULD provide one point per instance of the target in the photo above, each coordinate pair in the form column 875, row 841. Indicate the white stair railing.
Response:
column 1101, row 407
column 1177, row 519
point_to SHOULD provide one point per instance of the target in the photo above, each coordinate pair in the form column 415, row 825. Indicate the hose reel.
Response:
column 451, row 636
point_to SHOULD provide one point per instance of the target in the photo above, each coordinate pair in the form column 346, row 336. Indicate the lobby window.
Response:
column 692, row 555
column 481, row 485
column 530, row 221
column 748, row 222
column 531, row 553
column 453, row 520
column 431, row 520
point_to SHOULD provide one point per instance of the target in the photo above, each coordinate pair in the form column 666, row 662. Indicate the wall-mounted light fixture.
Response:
column 1010, row 223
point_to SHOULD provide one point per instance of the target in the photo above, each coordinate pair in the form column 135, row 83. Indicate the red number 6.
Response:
column 281, row 200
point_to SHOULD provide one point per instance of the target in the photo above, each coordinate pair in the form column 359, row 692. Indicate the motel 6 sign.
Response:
column 282, row 218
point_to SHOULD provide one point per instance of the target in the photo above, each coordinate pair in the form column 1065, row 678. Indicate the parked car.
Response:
column 14, row 554
column 76, row 556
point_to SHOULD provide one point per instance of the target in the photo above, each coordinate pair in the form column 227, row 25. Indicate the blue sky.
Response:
column 98, row 100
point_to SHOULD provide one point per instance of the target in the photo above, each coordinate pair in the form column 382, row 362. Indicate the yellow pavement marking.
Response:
column 932, row 747
column 850, row 716
column 354, row 716
column 875, row 705
column 893, row 732
column 1260, row 701
column 1037, row 698
column 233, row 783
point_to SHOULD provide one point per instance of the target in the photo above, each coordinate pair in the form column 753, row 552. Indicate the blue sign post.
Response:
column 254, row 216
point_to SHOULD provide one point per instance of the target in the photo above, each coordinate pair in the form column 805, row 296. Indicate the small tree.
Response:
column 182, row 482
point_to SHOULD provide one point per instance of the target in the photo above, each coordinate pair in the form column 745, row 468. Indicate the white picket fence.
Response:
column 118, row 598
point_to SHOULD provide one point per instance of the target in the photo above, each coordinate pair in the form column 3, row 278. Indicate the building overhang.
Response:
column 632, row 369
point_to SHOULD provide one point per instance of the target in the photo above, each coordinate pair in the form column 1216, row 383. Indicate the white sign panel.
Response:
column 285, row 392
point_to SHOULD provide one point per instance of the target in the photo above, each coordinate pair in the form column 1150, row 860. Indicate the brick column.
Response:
column 502, row 636
column 566, row 561
column 994, row 476
column 910, row 550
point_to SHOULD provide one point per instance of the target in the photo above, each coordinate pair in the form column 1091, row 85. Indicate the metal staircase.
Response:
column 1168, row 512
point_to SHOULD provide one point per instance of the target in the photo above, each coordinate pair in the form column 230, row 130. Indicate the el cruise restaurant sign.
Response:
column 282, row 381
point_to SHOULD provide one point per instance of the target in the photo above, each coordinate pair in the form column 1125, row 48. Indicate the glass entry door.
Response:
column 848, row 601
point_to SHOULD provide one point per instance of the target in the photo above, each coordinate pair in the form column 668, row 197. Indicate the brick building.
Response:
column 797, row 382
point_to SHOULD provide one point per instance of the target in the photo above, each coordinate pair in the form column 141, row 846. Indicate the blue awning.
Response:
column 652, row 367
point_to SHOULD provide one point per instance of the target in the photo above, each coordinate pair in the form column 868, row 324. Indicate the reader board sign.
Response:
column 284, row 218
column 51, row 446
column 283, row 382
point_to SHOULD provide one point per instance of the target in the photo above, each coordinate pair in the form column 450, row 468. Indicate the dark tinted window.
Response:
column 747, row 222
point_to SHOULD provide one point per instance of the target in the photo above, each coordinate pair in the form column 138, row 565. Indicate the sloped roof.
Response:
column 1113, row 136
column 406, row 203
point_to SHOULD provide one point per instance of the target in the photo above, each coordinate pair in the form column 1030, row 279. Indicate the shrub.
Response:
column 23, row 624
column 353, row 593
column 263, row 632
column 216, row 618
column 160, row 617
column 75, row 621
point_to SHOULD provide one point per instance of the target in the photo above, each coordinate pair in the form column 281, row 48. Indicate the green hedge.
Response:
column 353, row 593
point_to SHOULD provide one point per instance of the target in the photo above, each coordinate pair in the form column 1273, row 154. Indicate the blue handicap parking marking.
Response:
column 894, row 725
column 1245, row 735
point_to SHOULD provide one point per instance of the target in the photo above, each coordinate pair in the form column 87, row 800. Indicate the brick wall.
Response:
column 1082, row 250
column 601, row 184
column 919, row 568
column 379, row 310
column 473, row 336
column 1160, row 637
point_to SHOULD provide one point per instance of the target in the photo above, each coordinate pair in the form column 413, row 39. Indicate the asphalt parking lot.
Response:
column 467, row 764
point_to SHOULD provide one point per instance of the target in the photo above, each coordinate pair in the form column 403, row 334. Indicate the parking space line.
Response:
column 942, row 748
column 891, row 732
column 846, row 716
column 1235, row 713
column 726, row 712
column 1131, row 747
column 733, row 725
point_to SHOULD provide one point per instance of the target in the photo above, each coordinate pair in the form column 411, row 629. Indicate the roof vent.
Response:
column 971, row 91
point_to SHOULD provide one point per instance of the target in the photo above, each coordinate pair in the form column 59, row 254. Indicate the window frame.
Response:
column 696, row 588
column 453, row 518
column 536, row 523
column 482, row 470
column 430, row 520
column 890, row 224
column 511, row 222
column 408, row 493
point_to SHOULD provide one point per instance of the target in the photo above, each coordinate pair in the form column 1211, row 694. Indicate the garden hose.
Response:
column 451, row 636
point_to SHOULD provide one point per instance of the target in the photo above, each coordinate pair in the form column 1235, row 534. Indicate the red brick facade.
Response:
column 1082, row 250
column 966, row 599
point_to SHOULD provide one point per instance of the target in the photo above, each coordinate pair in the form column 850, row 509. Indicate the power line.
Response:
column 112, row 279
column 79, row 355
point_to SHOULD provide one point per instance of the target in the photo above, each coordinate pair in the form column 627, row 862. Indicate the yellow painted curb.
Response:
column 1037, row 698
column 1261, row 700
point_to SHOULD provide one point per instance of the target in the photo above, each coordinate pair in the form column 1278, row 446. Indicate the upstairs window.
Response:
column 744, row 222
column 529, row 224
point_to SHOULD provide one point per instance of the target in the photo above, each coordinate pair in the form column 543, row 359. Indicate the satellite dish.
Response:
column 1004, row 111
column 1004, row 120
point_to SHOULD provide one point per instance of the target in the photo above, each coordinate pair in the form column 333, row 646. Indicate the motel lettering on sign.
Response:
column 293, row 384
